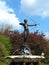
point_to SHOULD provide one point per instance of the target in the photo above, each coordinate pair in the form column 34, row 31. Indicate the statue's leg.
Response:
column 35, row 63
column 25, row 36
column 26, row 32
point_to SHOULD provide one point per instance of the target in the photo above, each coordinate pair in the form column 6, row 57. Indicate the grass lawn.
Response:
column 2, row 63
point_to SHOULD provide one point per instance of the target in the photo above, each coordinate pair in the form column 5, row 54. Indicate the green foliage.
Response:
column 2, row 63
column 36, row 41
column 42, row 63
column 3, row 52
column 5, row 47
column 6, row 42
column 46, row 60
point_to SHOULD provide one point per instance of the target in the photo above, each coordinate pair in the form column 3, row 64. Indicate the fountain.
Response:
column 24, row 54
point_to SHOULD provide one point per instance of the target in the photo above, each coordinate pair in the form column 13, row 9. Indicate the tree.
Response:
column 36, row 41
column 4, row 28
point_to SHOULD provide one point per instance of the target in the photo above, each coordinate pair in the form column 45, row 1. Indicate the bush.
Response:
column 6, row 42
column 5, row 46
column 3, row 51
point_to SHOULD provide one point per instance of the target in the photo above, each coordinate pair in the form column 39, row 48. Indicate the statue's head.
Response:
column 25, row 20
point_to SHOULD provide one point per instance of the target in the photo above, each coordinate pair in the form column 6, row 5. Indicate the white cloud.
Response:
column 6, row 17
column 35, row 7
column 47, row 35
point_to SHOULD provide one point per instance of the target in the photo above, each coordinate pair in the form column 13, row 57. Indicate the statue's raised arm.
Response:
column 21, row 23
column 33, row 25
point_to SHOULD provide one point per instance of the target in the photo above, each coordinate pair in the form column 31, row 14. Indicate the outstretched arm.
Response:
column 21, row 23
column 33, row 25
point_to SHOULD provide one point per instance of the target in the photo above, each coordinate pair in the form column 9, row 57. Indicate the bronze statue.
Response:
column 26, row 30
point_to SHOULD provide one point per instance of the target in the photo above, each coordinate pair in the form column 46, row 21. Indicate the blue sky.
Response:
column 13, row 12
